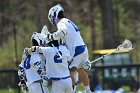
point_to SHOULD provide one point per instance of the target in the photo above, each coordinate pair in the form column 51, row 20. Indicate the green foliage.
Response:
column 7, row 54
column 29, row 20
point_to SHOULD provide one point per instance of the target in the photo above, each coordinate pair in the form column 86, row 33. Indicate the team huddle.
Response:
column 60, row 56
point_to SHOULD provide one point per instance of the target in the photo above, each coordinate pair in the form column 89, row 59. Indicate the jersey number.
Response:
column 75, row 27
column 27, row 63
column 57, row 58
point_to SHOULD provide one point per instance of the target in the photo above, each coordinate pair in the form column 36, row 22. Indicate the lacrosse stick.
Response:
column 126, row 45
column 57, row 51
column 45, row 32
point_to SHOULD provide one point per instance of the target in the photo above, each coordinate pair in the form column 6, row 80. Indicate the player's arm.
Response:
column 22, row 76
column 21, row 72
column 38, row 49
column 36, row 63
column 42, row 73
column 59, row 34
column 35, row 49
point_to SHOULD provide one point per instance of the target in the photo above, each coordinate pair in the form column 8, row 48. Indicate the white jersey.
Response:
column 30, row 69
column 56, row 67
column 72, row 34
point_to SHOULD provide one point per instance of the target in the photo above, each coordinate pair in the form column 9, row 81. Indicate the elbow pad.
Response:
column 60, row 34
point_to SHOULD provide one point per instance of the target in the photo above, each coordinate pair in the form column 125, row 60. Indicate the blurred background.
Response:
column 104, row 24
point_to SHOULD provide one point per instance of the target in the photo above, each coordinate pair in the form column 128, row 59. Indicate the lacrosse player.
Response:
column 33, row 67
column 57, row 68
column 21, row 73
column 70, row 33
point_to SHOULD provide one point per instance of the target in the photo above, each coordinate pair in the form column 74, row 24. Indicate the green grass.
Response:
column 7, row 91
column 79, row 88
column 126, row 88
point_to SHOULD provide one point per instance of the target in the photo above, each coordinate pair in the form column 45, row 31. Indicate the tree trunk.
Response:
column 3, row 21
column 92, row 24
column 117, row 25
column 38, row 14
column 107, row 24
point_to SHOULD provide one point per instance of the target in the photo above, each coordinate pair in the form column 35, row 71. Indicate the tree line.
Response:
column 104, row 24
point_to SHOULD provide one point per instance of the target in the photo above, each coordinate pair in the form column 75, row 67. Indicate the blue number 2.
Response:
column 57, row 58
column 75, row 27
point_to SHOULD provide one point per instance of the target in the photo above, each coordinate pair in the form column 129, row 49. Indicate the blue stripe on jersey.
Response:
column 61, row 78
column 41, row 87
column 27, row 62
column 79, row 50
column 75, row 27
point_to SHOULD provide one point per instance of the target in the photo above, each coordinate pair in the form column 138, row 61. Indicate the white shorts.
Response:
column 37, row 87
column 62, row 86
column 79, row 59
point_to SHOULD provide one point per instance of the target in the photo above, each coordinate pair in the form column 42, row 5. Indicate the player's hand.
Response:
column 46, row 33
column 35, row 49
column 44, row 80
column 87, row 66
column 25, row 53
column 49, row 36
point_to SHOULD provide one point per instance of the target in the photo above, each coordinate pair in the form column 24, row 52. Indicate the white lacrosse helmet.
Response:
column 41, row 40
column 53, row 13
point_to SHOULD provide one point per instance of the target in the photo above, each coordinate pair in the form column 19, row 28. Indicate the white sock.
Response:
column 87, row 88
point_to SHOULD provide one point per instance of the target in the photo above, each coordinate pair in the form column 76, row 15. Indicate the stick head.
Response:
column 44, row 31
column 126, row 45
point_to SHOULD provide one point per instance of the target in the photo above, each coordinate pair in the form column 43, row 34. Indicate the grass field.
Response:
column 79, row 88
column 7, row 91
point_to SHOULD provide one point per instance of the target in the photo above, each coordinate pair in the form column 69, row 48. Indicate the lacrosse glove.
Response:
column 25, row 53
column 44, row 80
column 86, row 66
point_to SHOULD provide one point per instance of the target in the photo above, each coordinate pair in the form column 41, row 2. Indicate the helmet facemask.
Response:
column 53, row 13
column 37, row 38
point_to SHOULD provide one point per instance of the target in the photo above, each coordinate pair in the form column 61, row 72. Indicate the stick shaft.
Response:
column 125, row 45
column 57, row 51
column 102, row 57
